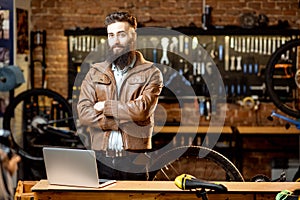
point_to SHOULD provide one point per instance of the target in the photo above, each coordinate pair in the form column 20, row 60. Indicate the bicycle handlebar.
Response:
column 57, row 131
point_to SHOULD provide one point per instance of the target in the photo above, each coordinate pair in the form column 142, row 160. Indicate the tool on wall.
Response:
column 155, row 42
column 239, row 63
column 186, row 45
column 232, row 63
column 213, row 52
column 174, row 45
column 226, row 53
column 250, row 102
column 206, row 15
column 164, row 43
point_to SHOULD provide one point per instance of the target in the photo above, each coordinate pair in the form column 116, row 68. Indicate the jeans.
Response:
column 120, row 168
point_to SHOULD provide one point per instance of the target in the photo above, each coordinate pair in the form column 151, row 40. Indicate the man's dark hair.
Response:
column 120, row 17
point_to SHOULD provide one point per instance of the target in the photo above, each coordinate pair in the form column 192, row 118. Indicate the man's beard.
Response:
column 122, row 59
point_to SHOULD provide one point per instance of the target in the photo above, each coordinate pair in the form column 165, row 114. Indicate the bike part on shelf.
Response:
column 282, row 178
column 201, row 162
column 38, row 118
column 248, row 20
column 260, row 178
column 287, row 53
column 264, row 178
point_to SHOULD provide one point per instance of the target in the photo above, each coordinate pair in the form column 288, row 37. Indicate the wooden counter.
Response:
column 159, row 190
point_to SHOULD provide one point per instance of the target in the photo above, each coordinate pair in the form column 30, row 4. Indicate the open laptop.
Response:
column 72, row 167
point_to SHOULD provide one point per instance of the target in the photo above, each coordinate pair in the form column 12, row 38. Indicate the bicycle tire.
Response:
column 270, row 67
column 218, row 167
column 21, row 126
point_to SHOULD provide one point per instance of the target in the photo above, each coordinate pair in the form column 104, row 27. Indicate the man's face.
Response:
column 121, row 37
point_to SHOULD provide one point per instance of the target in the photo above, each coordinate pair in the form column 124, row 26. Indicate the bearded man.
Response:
column 117, row 101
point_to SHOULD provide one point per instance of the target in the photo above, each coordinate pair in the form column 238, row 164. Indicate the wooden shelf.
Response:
column 193, row 129
column 227, row 129
column 267, row 130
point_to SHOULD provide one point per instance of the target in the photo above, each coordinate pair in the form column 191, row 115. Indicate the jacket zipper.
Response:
column 124, row 136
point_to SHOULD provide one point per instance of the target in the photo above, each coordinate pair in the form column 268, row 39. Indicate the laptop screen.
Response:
column 71, row 167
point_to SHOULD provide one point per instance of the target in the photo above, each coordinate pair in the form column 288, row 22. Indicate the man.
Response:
column 117, row 102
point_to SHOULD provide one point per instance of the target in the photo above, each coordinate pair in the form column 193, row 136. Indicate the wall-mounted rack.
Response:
column 240, row 55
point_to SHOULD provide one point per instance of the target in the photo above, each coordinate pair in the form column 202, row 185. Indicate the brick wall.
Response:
column 55, row 16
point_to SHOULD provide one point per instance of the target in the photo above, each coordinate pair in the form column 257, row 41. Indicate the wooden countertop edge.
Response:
column 169, row 186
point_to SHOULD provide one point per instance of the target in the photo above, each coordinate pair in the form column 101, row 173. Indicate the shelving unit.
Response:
column 239, row 54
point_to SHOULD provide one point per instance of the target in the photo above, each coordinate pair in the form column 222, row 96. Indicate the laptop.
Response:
column 72, row 167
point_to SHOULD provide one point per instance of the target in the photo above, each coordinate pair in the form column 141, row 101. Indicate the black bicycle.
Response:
column 283, row 85
column 37, row 118
column 201, row 162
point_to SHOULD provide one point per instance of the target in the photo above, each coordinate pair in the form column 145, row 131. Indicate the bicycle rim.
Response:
column 201, row 162
column 35, row 104
column 290, row 108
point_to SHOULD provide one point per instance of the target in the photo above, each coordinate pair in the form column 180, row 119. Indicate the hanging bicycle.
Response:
column 283, row 78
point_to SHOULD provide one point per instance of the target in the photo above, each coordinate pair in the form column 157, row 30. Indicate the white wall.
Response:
column 22, row 60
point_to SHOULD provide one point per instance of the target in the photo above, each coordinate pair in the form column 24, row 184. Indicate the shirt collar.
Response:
column 114, row 67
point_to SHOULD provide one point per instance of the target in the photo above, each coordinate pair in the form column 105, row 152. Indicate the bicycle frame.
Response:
column 290, row 120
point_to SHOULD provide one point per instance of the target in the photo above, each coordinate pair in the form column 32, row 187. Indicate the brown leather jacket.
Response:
column 132, row 113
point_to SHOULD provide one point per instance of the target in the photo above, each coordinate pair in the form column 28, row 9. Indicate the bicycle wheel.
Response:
column 283, row 78
column 198, row 161
column 31, row 109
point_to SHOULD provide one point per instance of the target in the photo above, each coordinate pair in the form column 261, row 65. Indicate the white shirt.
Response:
column 115, row 139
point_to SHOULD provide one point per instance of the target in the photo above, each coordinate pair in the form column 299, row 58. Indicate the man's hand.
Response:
column 99, row 106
